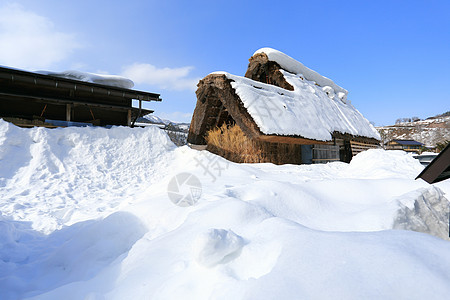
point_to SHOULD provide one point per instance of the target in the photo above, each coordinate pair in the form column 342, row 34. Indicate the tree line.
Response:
column 407, row 120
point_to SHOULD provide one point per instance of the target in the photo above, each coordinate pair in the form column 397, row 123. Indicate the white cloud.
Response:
column 164, row 78
column 31, row 41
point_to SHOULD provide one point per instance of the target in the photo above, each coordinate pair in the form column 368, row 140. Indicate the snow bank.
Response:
column 308, row 111
column 293, row 66
column 111, row 80
column 379, row 164
column 73, row 174
column 39, row 263
column 85, row 213
column 424, row 210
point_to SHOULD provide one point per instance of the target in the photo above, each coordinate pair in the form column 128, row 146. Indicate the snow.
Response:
column 217, row 246
column 111, row 80
column 429, row 131
column 293, row 66
column 69, row 172
column 155, row 119
column 308, row 111
column 85, row 214
column 315, row 109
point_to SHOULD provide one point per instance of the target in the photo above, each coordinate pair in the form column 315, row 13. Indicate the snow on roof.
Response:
column 309, row 111
column 293, row 66
column 111, row 80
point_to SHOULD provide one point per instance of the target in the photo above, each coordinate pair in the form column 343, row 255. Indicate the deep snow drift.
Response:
column 86, row 214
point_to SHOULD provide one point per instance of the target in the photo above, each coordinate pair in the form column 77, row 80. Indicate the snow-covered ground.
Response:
column 89, row 213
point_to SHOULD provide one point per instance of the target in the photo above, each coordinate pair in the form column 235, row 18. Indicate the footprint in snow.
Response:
column 217, row 246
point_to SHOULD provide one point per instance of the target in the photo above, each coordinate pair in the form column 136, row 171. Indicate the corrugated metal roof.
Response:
column 408, row 142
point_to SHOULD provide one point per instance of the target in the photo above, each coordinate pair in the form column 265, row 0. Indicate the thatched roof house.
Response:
column 288, row 113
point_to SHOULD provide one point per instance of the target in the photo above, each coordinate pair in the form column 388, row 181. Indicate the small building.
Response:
column 32, row 99
column 280, row 112
column 439, row 168
column 425, row 158
column 405, row 145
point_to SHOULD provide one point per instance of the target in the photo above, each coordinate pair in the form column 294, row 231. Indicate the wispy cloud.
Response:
column 164, row 78
column 31, row 41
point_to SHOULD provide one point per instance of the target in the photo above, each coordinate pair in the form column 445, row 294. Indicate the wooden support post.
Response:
column 68, row 112
column 129, row 117
column 45, row 107
column 92, row 114
column 138, row 116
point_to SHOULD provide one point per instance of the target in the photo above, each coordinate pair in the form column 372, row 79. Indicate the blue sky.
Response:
column 393, row 56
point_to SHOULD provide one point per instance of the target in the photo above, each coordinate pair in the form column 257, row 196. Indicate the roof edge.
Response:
column 27, row 76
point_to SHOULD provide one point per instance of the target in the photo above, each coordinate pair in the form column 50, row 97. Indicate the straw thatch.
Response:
column 261, row 69
column 220, row 116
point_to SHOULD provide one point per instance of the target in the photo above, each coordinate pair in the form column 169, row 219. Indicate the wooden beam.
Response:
column 129, row 117
column 42, row 113
column 35, row 125
column 57, row 101
column 68, row 112
column 289, row 140
column 39, row 80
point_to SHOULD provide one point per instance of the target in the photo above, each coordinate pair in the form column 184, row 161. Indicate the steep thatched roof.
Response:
column 275, row 105
column 217, row 103
column 269, row 56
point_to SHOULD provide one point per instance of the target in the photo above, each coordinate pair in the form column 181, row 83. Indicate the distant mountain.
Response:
column 430, row 132
column 446, row 114
column 153, row 119
column 177, row 132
